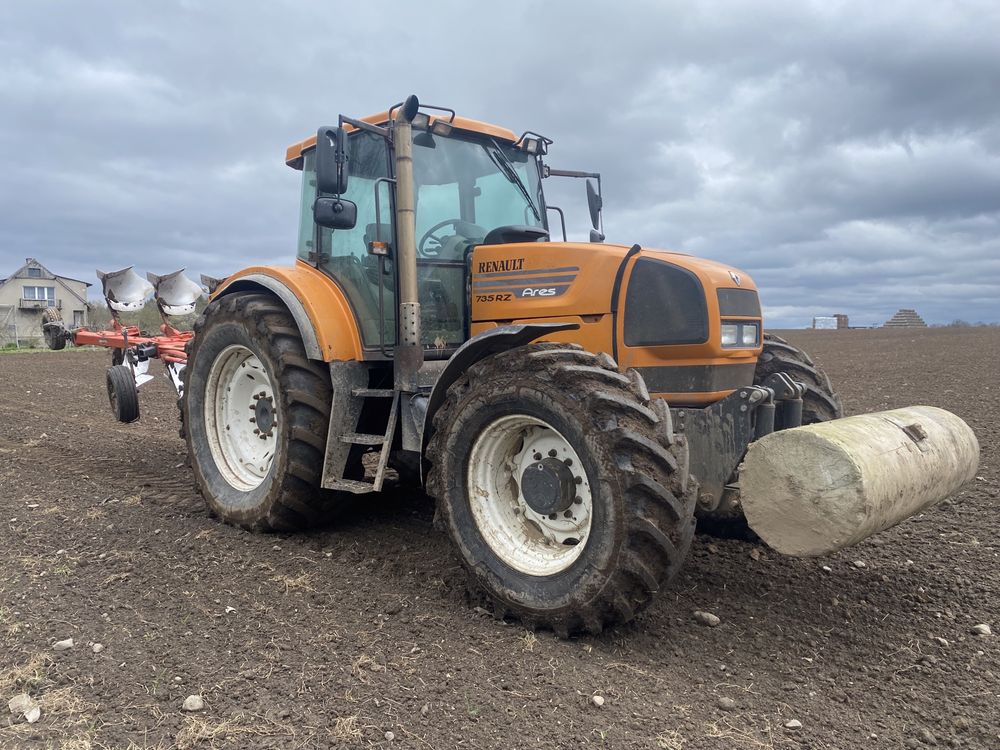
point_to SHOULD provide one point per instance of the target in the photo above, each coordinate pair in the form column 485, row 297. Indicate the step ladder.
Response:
column 349, row 439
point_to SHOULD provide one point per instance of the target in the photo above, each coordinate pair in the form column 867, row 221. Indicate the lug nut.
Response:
column 253, row 420
column 552, row 453
column 577, row 500
column 538, row 456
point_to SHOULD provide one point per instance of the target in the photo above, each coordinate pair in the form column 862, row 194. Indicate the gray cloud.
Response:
column 845, row 155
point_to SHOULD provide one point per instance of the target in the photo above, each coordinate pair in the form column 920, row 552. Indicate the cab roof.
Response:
column 293, row 154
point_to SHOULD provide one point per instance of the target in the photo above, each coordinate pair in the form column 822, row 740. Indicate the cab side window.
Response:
column 345, row 251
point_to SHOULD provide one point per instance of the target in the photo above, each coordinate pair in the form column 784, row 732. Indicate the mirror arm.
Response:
column 362, row 125
column 549, row 172
column 562, row 218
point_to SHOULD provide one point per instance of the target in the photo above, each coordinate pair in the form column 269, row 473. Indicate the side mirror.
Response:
column 594, row 204
column 335, row 213
column 331, row 160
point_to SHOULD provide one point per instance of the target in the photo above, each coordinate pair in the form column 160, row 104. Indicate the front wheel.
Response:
column 561, row 487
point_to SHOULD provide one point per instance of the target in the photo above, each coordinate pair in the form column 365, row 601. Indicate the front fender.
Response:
column 491, row 341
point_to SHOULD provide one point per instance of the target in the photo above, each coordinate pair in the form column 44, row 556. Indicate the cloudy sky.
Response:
column 847, row 156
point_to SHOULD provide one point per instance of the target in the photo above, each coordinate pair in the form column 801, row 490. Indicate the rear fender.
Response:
column 321, row 311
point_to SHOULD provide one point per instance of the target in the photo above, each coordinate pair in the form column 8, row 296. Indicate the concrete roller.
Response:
column 816, row 489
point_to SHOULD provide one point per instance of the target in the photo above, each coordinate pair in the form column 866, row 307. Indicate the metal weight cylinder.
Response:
column 816, row 489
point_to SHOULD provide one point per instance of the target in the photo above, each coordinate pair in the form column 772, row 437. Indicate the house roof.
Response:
column 22, row 273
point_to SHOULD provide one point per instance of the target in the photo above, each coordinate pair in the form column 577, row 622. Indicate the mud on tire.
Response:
column 288, row 497
column 642, row 512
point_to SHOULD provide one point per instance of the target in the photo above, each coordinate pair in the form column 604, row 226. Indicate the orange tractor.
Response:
column 572, row 407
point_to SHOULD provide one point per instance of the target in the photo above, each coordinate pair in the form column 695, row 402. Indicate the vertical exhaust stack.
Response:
column 409, row 350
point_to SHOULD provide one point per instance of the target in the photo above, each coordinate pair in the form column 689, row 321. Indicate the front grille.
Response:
column 665, row 304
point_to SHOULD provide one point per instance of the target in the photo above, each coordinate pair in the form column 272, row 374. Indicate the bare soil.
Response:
column 361, row 635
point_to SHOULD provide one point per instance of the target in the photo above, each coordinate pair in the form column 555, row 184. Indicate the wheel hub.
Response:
column 263, row 410
column 548, row 486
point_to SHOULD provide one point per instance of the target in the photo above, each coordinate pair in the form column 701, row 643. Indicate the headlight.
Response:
column 740, row 334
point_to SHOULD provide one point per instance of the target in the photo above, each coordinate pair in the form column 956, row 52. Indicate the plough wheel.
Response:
column 122, row 394
column 53, row 328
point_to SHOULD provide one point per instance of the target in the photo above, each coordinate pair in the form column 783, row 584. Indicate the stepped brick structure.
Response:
column 906, row 318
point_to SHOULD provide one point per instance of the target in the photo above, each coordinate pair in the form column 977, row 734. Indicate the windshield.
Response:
column 465, row 188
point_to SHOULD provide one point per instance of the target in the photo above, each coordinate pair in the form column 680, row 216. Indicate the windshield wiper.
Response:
column 499, row 158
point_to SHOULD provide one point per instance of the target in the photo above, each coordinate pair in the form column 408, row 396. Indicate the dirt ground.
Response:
column 360, row 635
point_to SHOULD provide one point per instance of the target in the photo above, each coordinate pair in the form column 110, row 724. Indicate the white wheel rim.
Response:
column 242, row 451
column 528, row 541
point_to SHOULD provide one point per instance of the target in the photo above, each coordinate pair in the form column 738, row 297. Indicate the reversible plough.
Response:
column 132, row 349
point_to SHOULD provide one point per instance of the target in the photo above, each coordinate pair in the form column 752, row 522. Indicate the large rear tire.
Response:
column 561, row 486
column 255, row 412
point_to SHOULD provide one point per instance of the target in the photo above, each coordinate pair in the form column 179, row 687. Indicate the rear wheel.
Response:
column 255, row 413
column 561, row 487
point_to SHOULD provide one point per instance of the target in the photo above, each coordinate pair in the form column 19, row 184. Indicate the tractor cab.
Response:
column 473, row 184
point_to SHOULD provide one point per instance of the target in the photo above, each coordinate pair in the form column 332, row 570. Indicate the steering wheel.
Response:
column 433, row 252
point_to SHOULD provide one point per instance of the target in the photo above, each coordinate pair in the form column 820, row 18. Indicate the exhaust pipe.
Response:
column 816, row 489
column 409, row 351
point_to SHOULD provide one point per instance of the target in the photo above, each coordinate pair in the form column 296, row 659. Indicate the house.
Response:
column 28, row 291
